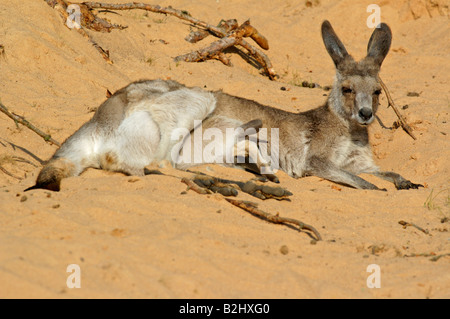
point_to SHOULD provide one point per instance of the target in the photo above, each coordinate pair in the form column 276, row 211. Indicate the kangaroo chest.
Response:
column 353, row 156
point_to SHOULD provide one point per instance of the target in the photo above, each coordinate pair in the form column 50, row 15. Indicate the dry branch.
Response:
column 253, row 209
column 215, row 49
column 181, row 14
column 196, row 36
column 401, row 120
column 191, row 185
column 225, row 25
column 218, row 31
column 223, row 30
column 20, row 119
column 94, row 24
column 406, row 224
column 205, row 184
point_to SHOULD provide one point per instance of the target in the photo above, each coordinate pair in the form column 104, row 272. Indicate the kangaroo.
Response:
column 137, row 124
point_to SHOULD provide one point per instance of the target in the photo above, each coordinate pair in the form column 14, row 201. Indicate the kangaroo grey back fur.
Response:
column 135, row 126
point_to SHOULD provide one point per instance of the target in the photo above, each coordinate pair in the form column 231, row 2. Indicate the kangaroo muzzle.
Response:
column 365, row 114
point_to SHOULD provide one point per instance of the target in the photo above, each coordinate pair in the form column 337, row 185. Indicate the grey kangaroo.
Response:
column 136, row 125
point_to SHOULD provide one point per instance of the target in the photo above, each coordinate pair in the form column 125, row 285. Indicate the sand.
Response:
column 142, row 237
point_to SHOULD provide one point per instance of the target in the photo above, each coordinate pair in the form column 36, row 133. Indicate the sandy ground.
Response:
column 142, row 238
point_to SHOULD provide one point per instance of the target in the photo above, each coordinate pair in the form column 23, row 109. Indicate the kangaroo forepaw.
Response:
column 231, row 188
column 407, row 185
column 266, row 192
column 215, row 186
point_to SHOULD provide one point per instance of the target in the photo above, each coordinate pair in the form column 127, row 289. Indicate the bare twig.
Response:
column 196, row 36
column 226, row 26
column 437, row 257
column 233, row 38
column 19, row 119
column 61, row 7
column 205, row 184
column 402, row 121
column 405, row 224
column 87, row 18
column 253, row 209
column 434, row 256
column 92, row 22
column 220, row 31
column 191, row 185
column 181, row 14
column 213, row 51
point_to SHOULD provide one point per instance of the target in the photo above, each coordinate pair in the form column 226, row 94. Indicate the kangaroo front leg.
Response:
column 324, row 169
column 397, row 180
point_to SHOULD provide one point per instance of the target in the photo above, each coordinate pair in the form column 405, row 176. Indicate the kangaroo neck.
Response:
column 358, row 133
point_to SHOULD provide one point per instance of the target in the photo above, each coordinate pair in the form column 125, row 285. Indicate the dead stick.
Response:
column 252, row 209
column 190, row 183
column 261, row 58
column 433, row 255
column 405, row 224
column 61, row 8
column 214, row 50
column 436, row 258
column 402, row 121
column 251, row 32
column 200, row 34
column 23, row 121
column 184, row 15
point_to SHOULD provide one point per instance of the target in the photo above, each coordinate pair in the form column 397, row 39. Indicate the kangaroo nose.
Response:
column 365, row 113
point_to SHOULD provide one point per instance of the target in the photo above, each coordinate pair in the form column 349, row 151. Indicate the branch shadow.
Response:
column 15, row 147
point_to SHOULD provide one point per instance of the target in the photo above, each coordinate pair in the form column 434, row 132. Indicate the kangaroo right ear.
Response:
column 332, row 43
column 379, row 43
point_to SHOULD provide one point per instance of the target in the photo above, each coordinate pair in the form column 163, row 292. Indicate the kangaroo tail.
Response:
column 53, row 172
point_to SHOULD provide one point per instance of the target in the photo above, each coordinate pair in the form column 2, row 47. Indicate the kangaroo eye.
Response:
column 377, row 92
column 347, row 90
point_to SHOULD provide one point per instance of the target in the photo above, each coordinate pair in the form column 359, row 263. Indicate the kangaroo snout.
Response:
column 366, row 115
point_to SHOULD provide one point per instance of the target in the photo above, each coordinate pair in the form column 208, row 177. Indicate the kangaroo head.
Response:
column 356, row 89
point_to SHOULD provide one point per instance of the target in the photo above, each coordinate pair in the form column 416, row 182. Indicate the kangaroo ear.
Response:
column 332, row 43
column 379, row 43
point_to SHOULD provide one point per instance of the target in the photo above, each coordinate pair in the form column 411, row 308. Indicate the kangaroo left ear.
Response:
column 379, row 43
